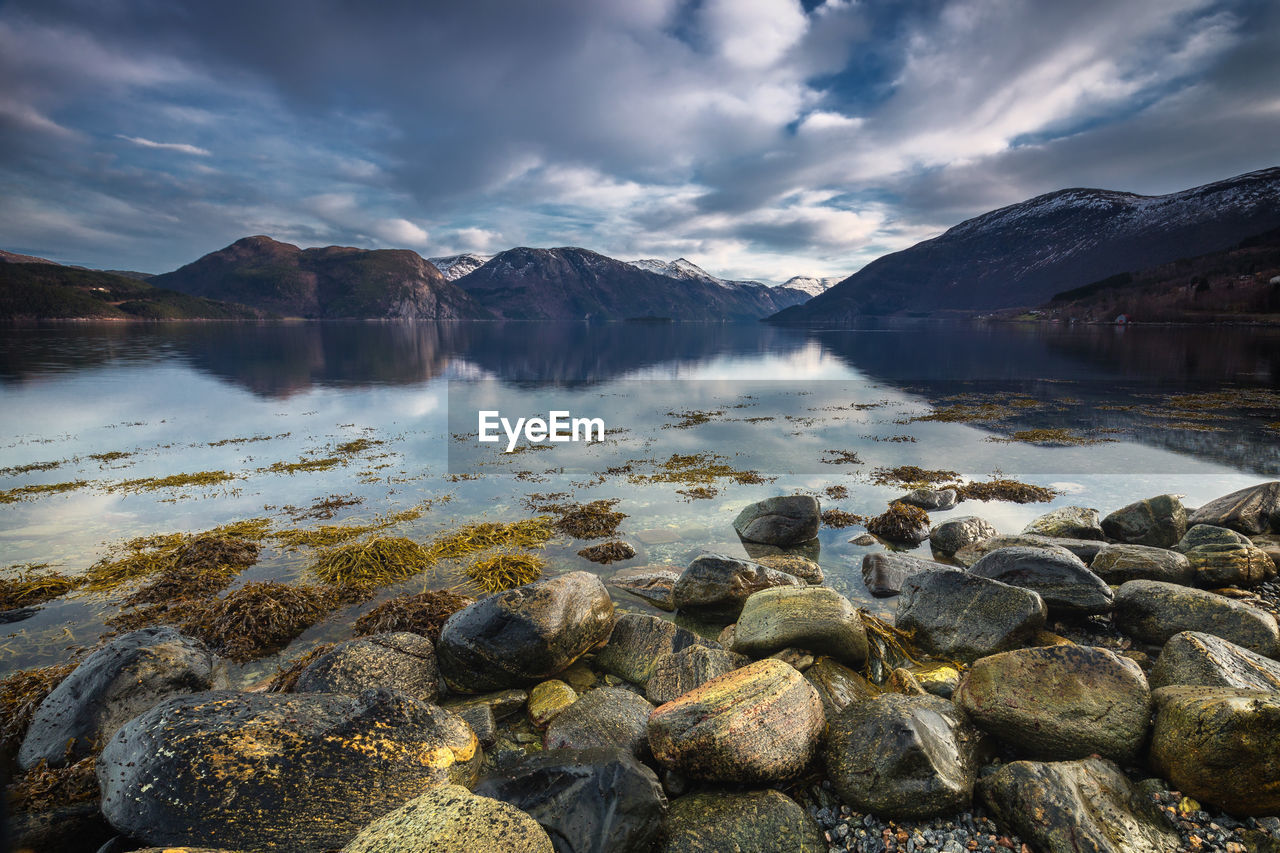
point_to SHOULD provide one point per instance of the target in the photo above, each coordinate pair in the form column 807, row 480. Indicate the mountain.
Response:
column 1023, row 254
column 577, row 284
column 15, row 258
column 331, row 283
column 679, row 269
column 810, row 285
column 454, row 267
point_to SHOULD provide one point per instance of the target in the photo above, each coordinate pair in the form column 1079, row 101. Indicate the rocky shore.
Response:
column 1091, row 683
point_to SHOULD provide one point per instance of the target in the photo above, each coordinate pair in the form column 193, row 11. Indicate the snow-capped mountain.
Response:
column 679, row 269
column 454, row 267
column 1023, row 254
column 810, row 285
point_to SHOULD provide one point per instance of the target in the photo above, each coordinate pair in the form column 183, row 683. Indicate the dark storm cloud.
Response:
column 758, row 137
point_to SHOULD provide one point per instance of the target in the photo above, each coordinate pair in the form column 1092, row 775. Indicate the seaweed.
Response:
column 324, row 508
column 481, row 536
column 25, row 493
column 698, row 493
column 911, row 475
column 110, row 456
column 21, row 693
column 424, row 613
column 837, row 493
column 358, row 445
column 696, row 469
column 44, row 788
column 324, row 536
column 595, row 520
column 30, row 584
column 286, row 677
column 1001, row 489
column 231, row 544
column 505, row 570
column 1055, row 437
column 840, row 457
column 31, row 468
column 899, row 523
column 888, row 647
column 323, row 463
column 692, row 418
column 838, row 518
column 963, row 413
column 608, row 552
column 257, row 617
column 173, row 481
column 374, row 562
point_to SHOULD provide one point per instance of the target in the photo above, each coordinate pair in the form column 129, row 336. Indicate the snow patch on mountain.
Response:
column 810, row 285
column 454, row 267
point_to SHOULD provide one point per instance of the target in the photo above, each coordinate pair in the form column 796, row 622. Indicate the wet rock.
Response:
column 815, row 618
column 482, row 722
column 1059, row 702
column 742, row 822
column 587, row 800
column 930, row 499
column 782, row 521
column 958, row 616
column 1064, row 582
column 637, row 641
column 1158, row 522
column 451, row 818
column 1085, row 549
column 277, row 771
column 130, row 675
column 838, row 686
column 1219, row 745
column 1153, row 612
column 1195, row 658
column 1230, row 565
column 401, row 660
column 676, row 673
column 950, row 536
column 502, row 704
column 903, row 756
column 1116, row 564
column 548, row 699
column 885, row 572
column 798, row 658
column 520, row 637
column 939, row 679
column 1067, row 522
column 606, row 716
column 1200, row 535
column 904, row 681
column 793, row 564
column 1075, row 806
column 652, row 583
column 716, row 585
column 810, row 550
column 1253, row 510
column 74, row 828
column 901, row 523
column 760, row 723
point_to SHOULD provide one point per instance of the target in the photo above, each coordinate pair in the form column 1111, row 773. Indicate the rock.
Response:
column 652, row 583
column 864, row 539
column 939, row 679
column 606, row 716
column 1116, row 564
column 482, row 722
column 1085, row 549
column 72, row 828
column 548, row 699
column 718, row 586
column 885, row 572
column 782, row 521
column 810, row 550
column 1157, row 522
column 1195, row 658
column 930, row 499
column 1230, row 565
column 520, row 637
column 838, row 686
column 451, row 819
column 1060, row 702
column 131, row 674
column 742, row 822
column 815, row 618
column 794, row 564
column 797, row 658
column 502, row 704
column 1253, row 510
column 904, row 681
column 637, row 641
column 903, row 756
column 1067, row 522
column 760, row 723
column 1075, row 806
column 675, row 674
column 277, row 771
column 958, row 616
column 587, row 800
column 1060, row 577
column 952, row 535
column 901, row 523
column 1153, row 612
column 401, row 660
column 1219, row 745
column 1200, row 535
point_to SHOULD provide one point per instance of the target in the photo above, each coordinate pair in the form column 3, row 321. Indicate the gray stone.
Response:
column 606, row 716
column 1252, row 510
column 482, row 722
column 1064, row 582
column 742, row 822
column 547, row 699
column 675, row 674
column 952, row 535
column 885, row 572
column 652, row 583
column 1195, row 658
column 930, row 499
column 838, row 686
column 401, row 660
column 716, row 585
column 815, row 618
column 1153, row 612
column 1085, row 549
column 1158, row 522
column 1067, row 522
column 959, row 616
column 1200, row 535
column 502, row 704
column 1116, row 564
column 794, row 564
column 637, row 641
column 1230, row 565
column 450, row 819
column 784, row 520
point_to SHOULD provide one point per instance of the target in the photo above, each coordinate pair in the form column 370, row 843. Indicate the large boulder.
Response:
column 277, row 771
column 903, row 756
column 1200, row 535
column 588, row 800
column 401, row 660
column 520, row 637
column 676, row 673
column 131, row 674
column 1219, row 745
column 959, row 616
column 1067, row 522
column 1064, row 701
column 1195, row 658
column 838, row 686
column 930, row 499
column 1061, row 578
column 782, row 521
column 760, row 723
column 637, row 641
column 1116, row 564
column 1153, row 612
column 1253, row 510
column 814, row 618
column 1076, row 806
column 884, row 572
column 451, row 819
column 1085, row 549
column 606, row 716
column 952, row 535
column 717, row 586
column 1157, row 522
column 652, row 583
column 1230, row 565
column 742, row 822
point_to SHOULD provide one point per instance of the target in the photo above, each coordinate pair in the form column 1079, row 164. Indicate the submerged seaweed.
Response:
column 504, row 571
column 424, row 613
column 30, row 584
column 371, row 563
column 257, row 617
column 595, row 520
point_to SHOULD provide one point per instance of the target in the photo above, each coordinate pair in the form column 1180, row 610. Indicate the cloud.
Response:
column 180, row 147
column 400, row 232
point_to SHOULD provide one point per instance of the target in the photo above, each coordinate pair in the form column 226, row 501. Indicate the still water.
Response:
column 1138, row 412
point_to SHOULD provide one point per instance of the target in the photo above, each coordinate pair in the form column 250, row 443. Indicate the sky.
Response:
column 757, row 138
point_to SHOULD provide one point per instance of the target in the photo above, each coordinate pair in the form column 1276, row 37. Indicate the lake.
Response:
column 382, row 417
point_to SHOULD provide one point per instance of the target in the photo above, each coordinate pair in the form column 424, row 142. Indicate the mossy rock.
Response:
column 816, row 618
column 450, row 819
column 1157, row 522
column 1153, row 612
column 741, row 821
column 1201, row 659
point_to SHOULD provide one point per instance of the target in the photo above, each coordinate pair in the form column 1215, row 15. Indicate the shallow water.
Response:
column 182, row 397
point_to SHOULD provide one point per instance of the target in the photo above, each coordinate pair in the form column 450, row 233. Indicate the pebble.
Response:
column 1203, row 831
